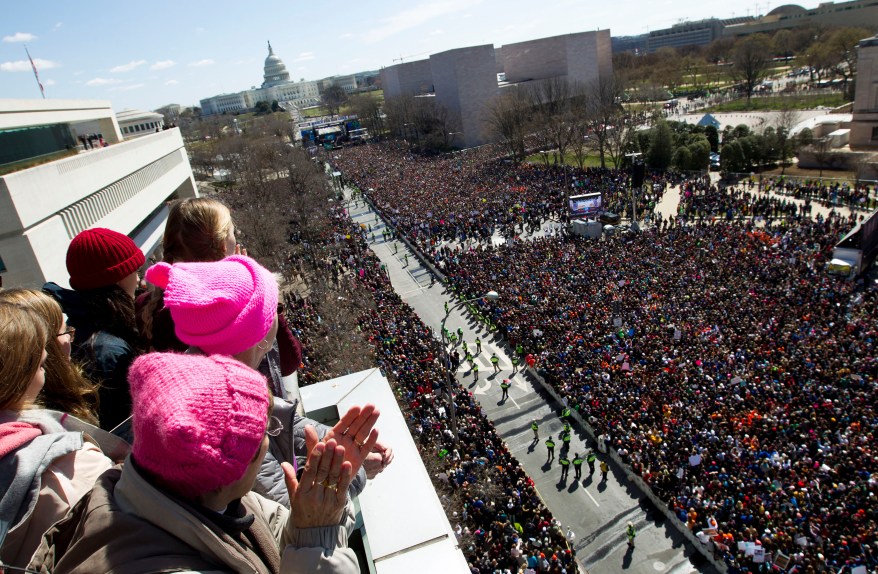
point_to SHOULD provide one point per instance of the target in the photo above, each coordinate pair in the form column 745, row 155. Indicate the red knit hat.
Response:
column 101, row 257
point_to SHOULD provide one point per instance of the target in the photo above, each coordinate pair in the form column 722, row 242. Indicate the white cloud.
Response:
column 24, row 65
column 346, row 35
column 57, row 26
column 414, row 17
column 304, row 57
column 171, row 83
column 49, row 82
column 126, row 88
column 200, row 63
column 20, row 37
column 102, row 81
column 437, row 32
column 163, row 65
column 127, row 67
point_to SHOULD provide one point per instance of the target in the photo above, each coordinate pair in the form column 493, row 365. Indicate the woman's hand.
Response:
column 377, row 460
column 355, row 433
column 319, row 498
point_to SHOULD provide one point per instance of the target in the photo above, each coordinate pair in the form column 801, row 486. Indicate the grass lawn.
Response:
column 769, row 103
column 569, row 159
column 796, row 171
column 313, row 112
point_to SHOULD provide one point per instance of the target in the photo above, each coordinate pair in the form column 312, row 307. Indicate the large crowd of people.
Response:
column 501, row 522
column 712, row 353
column 718, row 358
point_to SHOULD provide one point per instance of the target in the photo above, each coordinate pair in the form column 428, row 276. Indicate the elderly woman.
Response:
column 183, row 499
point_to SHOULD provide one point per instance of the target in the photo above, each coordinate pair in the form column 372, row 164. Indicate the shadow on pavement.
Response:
column 629, row 555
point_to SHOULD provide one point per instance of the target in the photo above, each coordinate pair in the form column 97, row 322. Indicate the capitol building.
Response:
column 276, row 85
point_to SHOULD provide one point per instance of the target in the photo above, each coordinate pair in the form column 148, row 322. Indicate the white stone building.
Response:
column 465, row 80
column 124, row 186
column 276, row 85
column 136, row 123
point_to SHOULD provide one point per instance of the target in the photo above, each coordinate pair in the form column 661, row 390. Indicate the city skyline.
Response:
column 183, row 52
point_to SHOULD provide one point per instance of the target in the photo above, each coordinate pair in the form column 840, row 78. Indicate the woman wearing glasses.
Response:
column 183, row 499
column 67, row 389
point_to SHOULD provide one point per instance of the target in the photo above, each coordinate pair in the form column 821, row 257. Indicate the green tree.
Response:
column 699, row 154
column 732, row 158
column 262, row 108
column 712, row 135
column 661, row 146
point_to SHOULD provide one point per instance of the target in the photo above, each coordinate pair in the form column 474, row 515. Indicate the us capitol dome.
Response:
column 275, row 71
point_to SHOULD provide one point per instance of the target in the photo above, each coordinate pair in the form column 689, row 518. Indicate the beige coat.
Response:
column 127, row 525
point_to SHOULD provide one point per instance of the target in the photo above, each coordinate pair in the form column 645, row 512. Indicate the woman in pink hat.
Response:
column 183, row 500
column 229, row 307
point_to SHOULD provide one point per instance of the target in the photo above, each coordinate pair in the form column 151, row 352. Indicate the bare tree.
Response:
column 822, row 149
column 508, row 119
column 843, row 45
column 619, row 138
column 333, row 97
column 785, row 120
column 752, row 56
column 368, row 110
column 554, row 102
column 604, row 110
column 398, row 111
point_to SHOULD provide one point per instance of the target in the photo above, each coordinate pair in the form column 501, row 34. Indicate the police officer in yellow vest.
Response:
column 565, row 466
column 577, row 466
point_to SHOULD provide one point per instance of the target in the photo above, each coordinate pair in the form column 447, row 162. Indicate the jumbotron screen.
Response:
column 585, row 205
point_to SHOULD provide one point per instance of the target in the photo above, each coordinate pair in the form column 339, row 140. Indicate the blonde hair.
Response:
column 23, row 336
column 196, row 230
column 66, row 389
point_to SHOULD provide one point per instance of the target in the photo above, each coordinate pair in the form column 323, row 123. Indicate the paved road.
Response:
column 597, row 511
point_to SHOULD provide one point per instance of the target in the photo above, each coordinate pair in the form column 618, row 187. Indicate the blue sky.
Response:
column 147, row 54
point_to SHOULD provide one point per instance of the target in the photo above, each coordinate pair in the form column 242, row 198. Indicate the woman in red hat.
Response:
column 103, row 267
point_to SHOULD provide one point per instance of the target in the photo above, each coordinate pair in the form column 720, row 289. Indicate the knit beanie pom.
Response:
column 223, row 307
column 158, row 275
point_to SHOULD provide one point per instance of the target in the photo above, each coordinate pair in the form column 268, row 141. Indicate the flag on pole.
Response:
column 36, row 74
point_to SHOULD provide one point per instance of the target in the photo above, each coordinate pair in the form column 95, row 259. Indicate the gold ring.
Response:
column 325, row 484
column 359, row 444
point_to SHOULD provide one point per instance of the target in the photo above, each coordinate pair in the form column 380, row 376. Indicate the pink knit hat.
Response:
column 223, row 307
column 198, row 421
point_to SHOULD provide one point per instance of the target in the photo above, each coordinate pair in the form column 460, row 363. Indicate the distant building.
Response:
column 864, row 127
column 171, row 110
column 136, row 123
column 347, row 83
column 465, row 80
column 276, row 86
column 700, row 33
column 860, row 13
column 124, row 186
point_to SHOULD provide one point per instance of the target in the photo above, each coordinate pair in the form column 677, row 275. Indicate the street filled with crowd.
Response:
column 723, row 364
